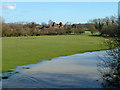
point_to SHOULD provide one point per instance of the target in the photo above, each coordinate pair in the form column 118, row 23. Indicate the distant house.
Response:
column 77, row 26
column 54, row 25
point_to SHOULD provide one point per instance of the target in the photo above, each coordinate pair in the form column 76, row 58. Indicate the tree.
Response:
column 50, row 22
column 68, row 23
column 99, row 25
column 109, row 67
column 43, row 24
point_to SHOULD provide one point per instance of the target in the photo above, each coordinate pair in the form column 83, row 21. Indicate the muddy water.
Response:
column 74, row 71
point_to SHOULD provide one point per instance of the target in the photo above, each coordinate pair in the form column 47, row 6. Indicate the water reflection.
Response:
column 74, row 71
column 109, row 67
column 0, row 81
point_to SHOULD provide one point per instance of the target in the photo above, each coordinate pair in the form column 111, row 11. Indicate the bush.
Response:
column 110, row 30
column 32, row 29
column 78, row 31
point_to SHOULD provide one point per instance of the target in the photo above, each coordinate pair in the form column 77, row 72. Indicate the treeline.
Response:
column 33, row 29
column 110, row 67
column 108, row 26
column 105, row 26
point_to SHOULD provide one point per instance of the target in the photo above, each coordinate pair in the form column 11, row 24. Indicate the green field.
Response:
column 28, row 50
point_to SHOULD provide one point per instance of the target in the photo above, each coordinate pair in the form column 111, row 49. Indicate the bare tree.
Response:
column 43, row 23
column 50, row 23
column 109, row 67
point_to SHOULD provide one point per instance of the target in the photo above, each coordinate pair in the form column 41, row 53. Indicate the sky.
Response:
column 60, row 0
column 74, row 12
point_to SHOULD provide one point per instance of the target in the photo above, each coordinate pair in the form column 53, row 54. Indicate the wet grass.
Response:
column 26, row 67
column 19, row 51
column 9, row 70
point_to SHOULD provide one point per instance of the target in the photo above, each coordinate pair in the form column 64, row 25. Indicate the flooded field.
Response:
column 74, row 71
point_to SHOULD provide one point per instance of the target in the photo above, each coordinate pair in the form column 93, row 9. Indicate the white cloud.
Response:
column 9, row 6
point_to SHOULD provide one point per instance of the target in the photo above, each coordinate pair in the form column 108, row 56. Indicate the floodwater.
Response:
column 74, row 71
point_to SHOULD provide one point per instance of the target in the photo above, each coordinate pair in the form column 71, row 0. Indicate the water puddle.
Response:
column 74, row 71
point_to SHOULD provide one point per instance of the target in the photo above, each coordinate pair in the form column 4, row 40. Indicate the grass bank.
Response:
column 27, row 50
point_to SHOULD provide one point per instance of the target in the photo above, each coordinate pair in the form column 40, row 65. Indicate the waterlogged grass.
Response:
column 28, row 50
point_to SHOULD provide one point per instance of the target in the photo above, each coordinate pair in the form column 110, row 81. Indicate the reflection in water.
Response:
column 0, row 81
column 109, row 67
column 72, row 71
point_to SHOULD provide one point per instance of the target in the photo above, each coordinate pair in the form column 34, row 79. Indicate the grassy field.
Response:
column 28, row 50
